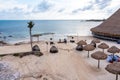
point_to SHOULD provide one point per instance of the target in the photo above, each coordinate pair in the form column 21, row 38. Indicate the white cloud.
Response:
column 11, row 4
column 61, row 9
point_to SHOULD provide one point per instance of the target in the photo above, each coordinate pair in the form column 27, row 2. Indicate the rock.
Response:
column 6, row 73
column 4, row 66
column 38, row 53
column 10, row 36
column 37, row 75
column 2, row 42
column 9, row 75
column 45, row 79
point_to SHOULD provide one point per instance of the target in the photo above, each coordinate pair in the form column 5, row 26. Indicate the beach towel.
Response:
column 110, row 58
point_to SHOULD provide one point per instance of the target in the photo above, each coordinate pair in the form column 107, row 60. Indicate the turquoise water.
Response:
column 19, row 31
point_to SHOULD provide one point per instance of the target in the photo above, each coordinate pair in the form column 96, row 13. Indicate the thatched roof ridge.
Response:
column 110, row 27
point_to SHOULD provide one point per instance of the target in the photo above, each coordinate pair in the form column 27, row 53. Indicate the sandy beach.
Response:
column 60, row 40
column 67, row 64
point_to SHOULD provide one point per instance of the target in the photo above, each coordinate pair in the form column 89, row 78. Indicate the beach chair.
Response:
column 118, row 41
column 72, row 41
column 51, row 43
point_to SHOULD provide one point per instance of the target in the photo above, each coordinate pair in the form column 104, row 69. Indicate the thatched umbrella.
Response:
column 103, row 46
column 99, row 56
column 79, row 47
column 53, row 49
column 46, row 45
column 114, row 68
column 113, row 50
column 88, row 48
column 96, row 40
column 35, row 48
column 93, row 44
column 82, row 43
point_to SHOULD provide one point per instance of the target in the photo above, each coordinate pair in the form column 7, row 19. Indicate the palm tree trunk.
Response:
column 31, row 39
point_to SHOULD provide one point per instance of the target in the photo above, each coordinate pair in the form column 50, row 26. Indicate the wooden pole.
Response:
column 116, row 76
column 113, row 57
column 88, row 54
column 98, row 64
column 77, row 37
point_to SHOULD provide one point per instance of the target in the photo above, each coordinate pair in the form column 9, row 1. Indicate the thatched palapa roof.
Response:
column 99, row 55
column 82, row 43
column 110, row 27
column 113, row 68
column 103, row 46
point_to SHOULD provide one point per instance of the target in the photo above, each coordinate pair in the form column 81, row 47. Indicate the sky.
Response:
column 57, row 9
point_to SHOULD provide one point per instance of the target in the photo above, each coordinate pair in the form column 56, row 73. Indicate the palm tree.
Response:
column 30, row 26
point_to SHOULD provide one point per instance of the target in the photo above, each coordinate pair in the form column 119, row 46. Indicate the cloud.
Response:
column 58, row 9
column 61, row 10
column 101, row 4
column 82, row 9
column 43, row 6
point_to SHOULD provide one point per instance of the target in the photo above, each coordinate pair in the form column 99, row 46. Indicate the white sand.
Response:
column 68, row 64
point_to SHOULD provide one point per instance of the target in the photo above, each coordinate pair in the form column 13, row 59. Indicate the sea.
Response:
column 13, row 31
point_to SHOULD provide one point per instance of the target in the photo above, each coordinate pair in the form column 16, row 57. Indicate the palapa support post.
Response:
column 47, row 46
column 77, row 37
column 68, row 50
column 38, row 38
column 116, row 76
column 88, row 54
column 113, row 57
column 98, row 64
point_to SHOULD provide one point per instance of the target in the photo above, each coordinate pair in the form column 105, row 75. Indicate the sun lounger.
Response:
column 72, row 41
